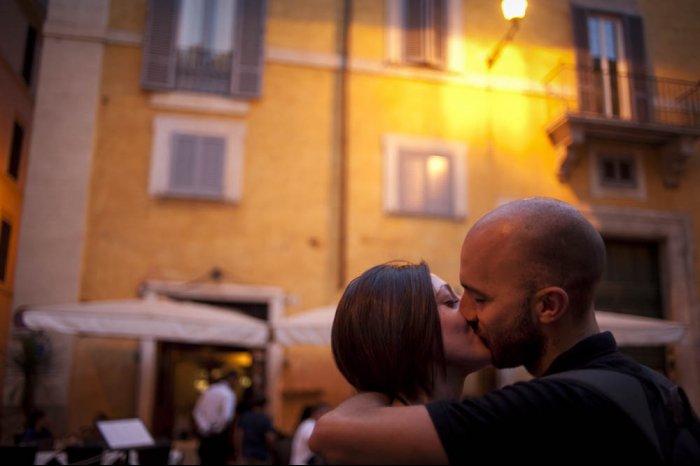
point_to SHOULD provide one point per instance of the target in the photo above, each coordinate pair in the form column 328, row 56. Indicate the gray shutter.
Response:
column 439, row 32
column 249, row 49
column 414, row 13
column 211, row 166
column 412, row 182
column 583, row 59
column 636, row 53
column 158, row 68
column 183, row 163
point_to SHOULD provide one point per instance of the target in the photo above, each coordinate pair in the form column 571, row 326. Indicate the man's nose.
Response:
column 467, row 311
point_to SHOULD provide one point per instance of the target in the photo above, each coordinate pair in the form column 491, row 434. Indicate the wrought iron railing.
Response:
column 623, row 96
column 200, row 69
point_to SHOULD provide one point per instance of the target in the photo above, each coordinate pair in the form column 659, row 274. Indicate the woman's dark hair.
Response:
column 386, row 333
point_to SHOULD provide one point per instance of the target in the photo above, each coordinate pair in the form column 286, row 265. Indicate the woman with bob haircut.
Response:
column 398, row 331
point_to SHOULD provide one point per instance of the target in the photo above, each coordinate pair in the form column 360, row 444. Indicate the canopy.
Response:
column 153, row 318
column 167, row 320
column 308, row 328
column 314, row 328
column 632, row 330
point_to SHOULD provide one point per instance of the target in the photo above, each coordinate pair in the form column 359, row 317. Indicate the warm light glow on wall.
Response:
column 513, row 9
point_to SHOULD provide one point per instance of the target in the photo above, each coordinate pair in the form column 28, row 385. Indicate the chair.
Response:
column 84, row 455
column 16, row 454
column 154, row 455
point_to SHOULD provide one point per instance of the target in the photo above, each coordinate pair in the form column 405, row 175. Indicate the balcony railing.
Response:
column 199, row 69
column 623, row 96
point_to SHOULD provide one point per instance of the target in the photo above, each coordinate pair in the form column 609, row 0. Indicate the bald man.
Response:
column 529, row 270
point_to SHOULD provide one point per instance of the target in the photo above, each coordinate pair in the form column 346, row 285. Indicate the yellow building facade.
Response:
column 340, row 139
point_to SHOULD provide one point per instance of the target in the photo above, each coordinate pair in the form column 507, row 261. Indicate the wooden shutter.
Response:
column 159, row 59
column 583, row 59
column 636, row 54
column 414, row 31
column 197, row 165
column 439, row 32
column 211, row 166
column 183, row 163
column 249, row 47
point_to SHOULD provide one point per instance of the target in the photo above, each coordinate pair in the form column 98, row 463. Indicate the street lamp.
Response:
column 513, row 11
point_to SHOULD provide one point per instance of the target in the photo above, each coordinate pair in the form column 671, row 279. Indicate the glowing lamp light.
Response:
column 513, row 9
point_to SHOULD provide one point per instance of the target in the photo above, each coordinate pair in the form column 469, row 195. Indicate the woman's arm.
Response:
column 366, row 429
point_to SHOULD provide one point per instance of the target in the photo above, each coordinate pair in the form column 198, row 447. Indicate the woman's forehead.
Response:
column 437, row 282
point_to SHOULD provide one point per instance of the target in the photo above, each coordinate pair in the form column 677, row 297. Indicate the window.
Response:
column 611, row 95
column 612, row 69
column 424, row 177
column 15, row 151
column 210, row 46
column 425, row 27
column 420, row 32
column 29, row 55
column 617, row 173
column 197, row 159
column 5, row 232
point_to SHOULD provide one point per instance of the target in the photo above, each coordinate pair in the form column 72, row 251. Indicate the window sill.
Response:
column 186, row 101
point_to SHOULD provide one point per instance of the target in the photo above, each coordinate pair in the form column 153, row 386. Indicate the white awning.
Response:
column 632, row 330
column 167, row 320
column 157, row 319
column 314, row 328
column 307, row 328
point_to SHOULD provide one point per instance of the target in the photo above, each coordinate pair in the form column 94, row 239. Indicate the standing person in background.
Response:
column 255, row 436
column 301, row 453
column 213, row 416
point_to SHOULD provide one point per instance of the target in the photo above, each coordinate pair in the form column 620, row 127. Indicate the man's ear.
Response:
column 552, row 303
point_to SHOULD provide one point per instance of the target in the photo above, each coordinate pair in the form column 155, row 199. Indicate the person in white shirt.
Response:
column 301, row 453
column 213, row 416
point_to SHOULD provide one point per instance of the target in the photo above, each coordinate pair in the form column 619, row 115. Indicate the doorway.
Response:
column 632, row 285
column 185, row 371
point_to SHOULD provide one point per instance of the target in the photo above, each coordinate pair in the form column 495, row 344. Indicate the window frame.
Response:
column 17, row 147
column 5, row 249
column 164, row 129
column 394, row 145
column 159, row 60
column 604, row 188
column 454, row 41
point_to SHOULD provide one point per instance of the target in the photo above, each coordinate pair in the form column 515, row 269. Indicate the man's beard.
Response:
column 522, row 345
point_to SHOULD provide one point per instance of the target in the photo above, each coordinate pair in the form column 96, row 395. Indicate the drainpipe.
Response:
column 342, row 122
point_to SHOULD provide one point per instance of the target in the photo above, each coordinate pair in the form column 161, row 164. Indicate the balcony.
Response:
column 613, row 105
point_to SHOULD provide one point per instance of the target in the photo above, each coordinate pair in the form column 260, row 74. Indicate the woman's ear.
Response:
column 552, row 304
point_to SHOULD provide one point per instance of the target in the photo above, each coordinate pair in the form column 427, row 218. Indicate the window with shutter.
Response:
column 424, row 177
column 611, row 64
column 197, row 158
column 197, row 165
column 5, row 232
column 211, row 46
column 425, row 183
column 425, row 32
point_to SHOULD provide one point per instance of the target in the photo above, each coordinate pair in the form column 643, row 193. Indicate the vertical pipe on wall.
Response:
column 342, row 122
